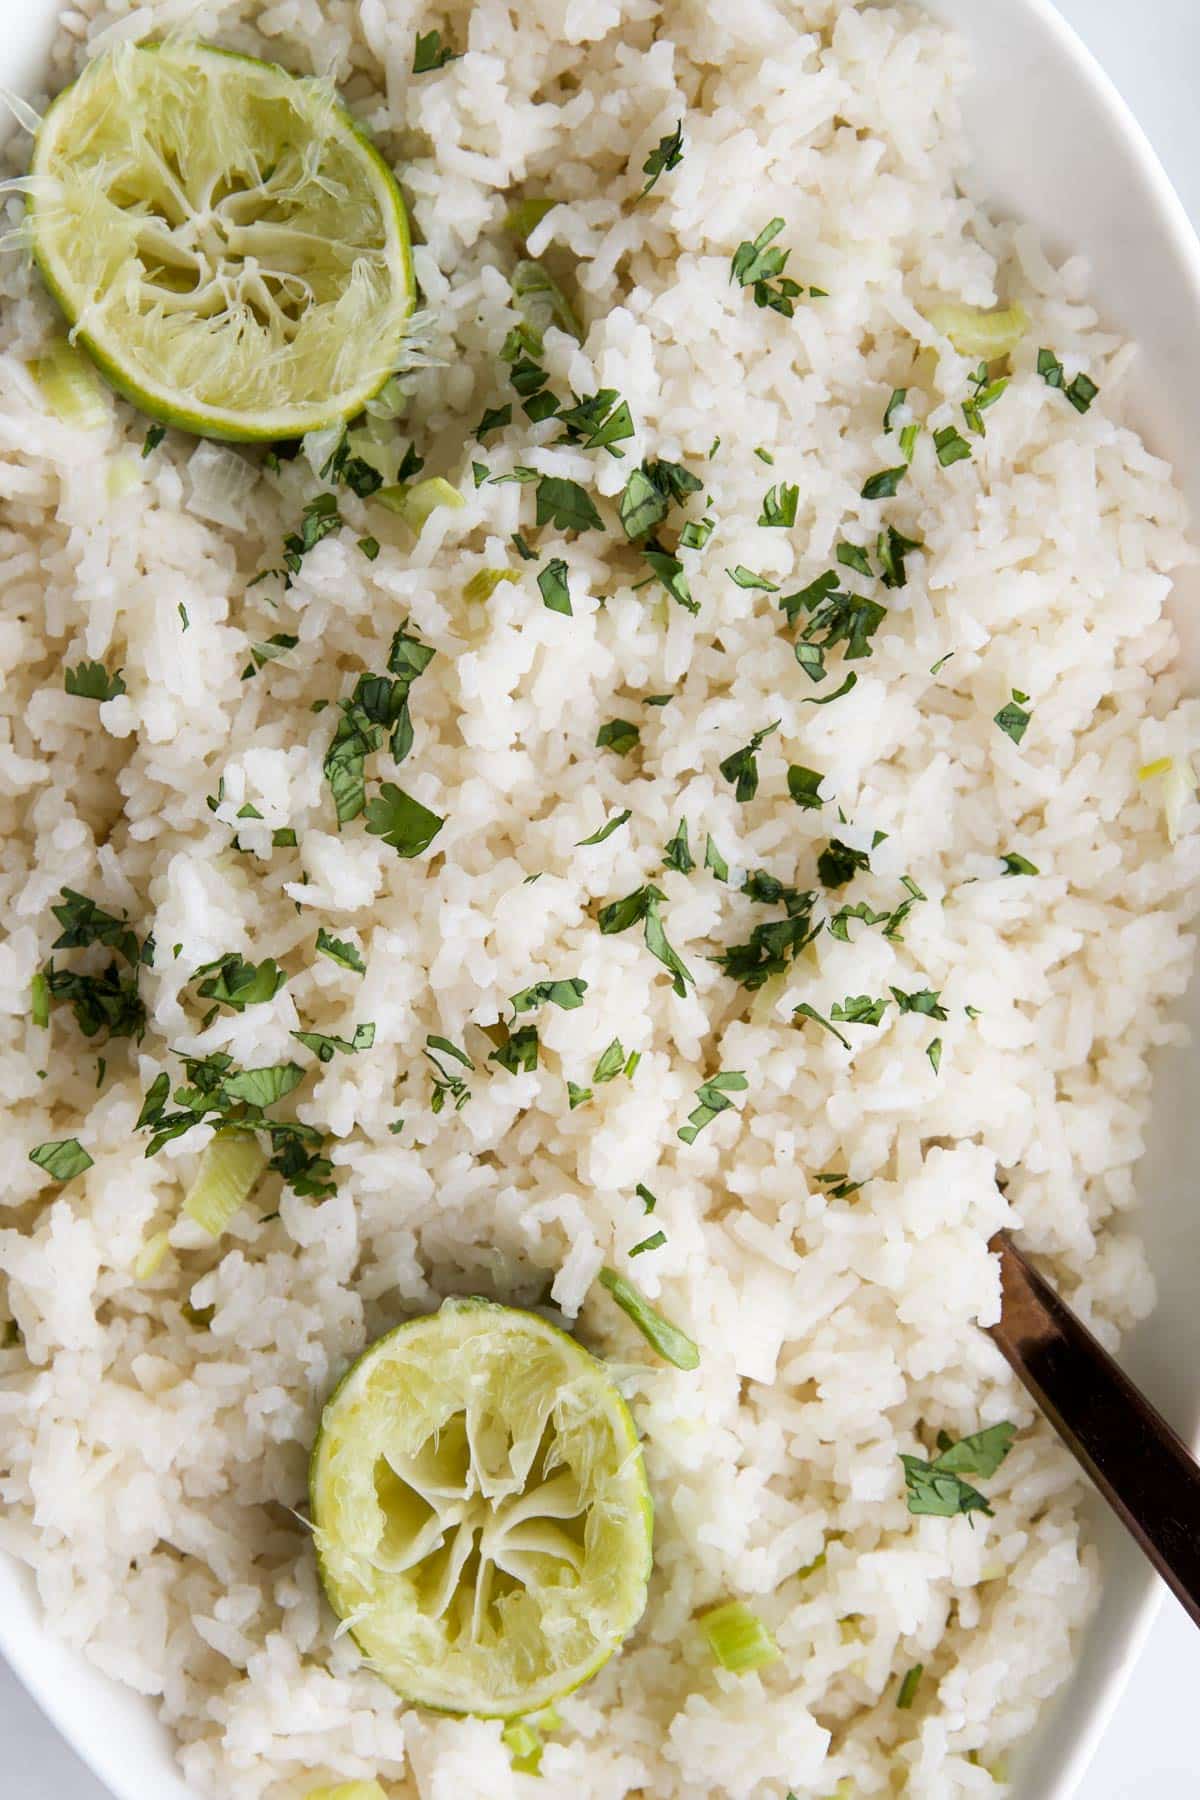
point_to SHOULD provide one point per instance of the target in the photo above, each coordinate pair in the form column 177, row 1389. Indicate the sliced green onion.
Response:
column 974, row 332
column 39, row 1000
column 228, row 1171
column 524, row 1746
column 672, row 1344
column 72, row 386
column 738, row 1639
column 124, row 475
column 1178, row 786
column 151, row 1256
column 414, row 504
column 484, row 583
column 540, row 300
column 348, row 1790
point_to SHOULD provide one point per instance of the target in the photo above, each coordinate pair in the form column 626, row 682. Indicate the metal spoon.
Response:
column 1143, row 1469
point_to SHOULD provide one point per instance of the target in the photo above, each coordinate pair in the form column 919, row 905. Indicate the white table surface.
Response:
column 1151, row 1750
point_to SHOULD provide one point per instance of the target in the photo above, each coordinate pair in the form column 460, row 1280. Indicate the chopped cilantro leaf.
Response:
column 1016, row 864
column 237, row 984
column 742, row 766
column 667, row 154
column 935, row 1487
column 339, row 951
column 619, row 735
column 643, row 905
column 92, row 681
column 810, row 1012
column 552, row 581
column 577, row 1096
column 925, row 1001
column 565, row 505
column 429, row 53
column 714, row 860
column 677, row 855
column 62, row 1159
column 933, row 1051
column 1012, row 718
column 891, row 548
column 323, row 1046
column 839, row 864
column 669, row 570
column 519, row 1051
column 899, row 396
column 494, row 419
column 712, row 1100
column 884, row 483
column 852, row 556
column 611, row 1063
column 746, row 578
column 154, row 438
column 860, row 1009
column 779, row 505
column 804, row 785
column 606, row 830
column 402, row 821
column 568, row 994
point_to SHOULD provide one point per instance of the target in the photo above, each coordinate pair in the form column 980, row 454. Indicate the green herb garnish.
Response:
column 519, row 1051
column 1012, row 718
column 566, row 505
column 643, row 906
column 92, row 681
column 779, row 505
column 619, row 735
column 950, row 445
column 935, row 1487
column 402, row 821
column 231, row 981
column 711, row 1101
column 839, row 864
column 339, row 951
column 568, row 994
column 884, row 483
column 741, row 767
column 667, row 154
column 62, row 1159
column 606, row 830
column 323, row 1045
column 804, row 785
column 673, row 1345
column 552, row 581
column 677, row 855
column 429, row 53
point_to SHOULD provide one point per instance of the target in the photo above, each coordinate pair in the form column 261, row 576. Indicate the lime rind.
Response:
column 227, row 245
column 482, row 1518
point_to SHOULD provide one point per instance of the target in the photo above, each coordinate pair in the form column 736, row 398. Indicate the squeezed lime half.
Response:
column 226, row 244
column 482, row 1517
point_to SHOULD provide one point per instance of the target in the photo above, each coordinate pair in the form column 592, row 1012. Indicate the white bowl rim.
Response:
column 45, row 1674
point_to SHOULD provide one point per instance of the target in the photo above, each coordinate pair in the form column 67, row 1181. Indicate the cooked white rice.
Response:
column 148, row 1466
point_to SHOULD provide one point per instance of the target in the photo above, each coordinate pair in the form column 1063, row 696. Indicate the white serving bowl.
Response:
column 1054, row 143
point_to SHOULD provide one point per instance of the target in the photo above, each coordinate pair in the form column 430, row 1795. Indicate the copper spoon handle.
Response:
column 1143, row 1469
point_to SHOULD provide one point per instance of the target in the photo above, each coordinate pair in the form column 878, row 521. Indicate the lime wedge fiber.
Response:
column 482, row 1518
column 227, row 245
